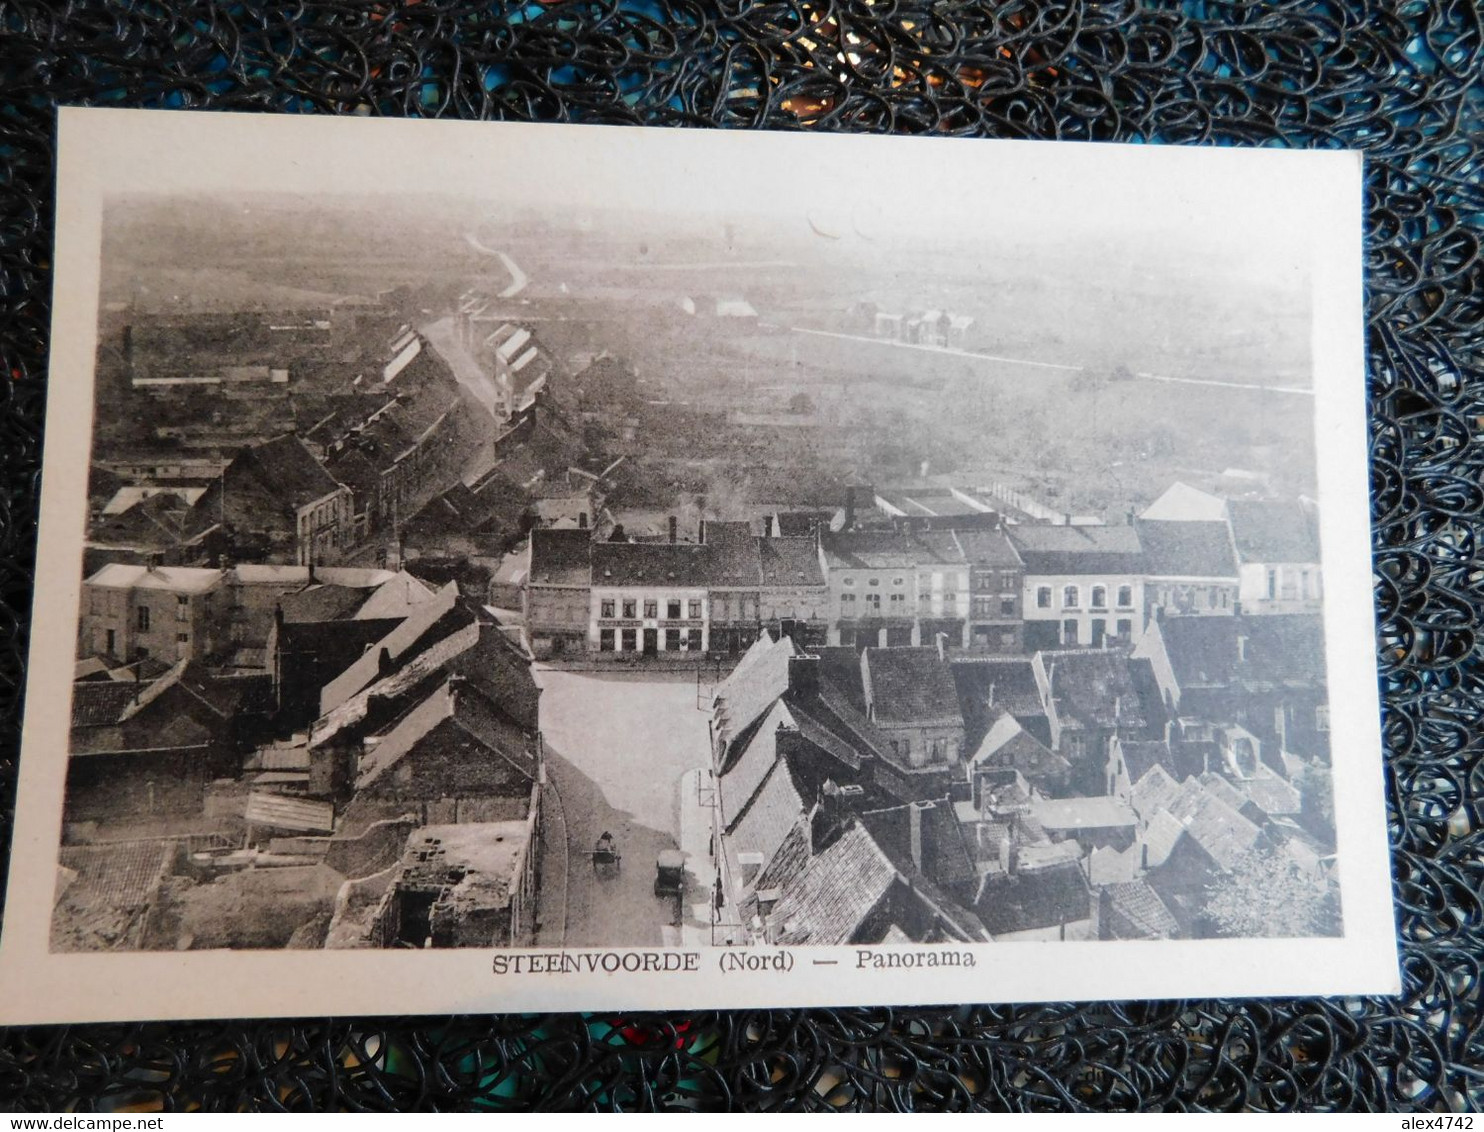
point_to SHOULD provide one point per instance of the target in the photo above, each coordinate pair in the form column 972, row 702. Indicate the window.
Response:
column 899, row 581
column 897, row 600
column 651, row 609
column 672, row 609
column 630, row 638
column 694, row 609
column 1321, row 717
column 1099, row 632
column 1043, row 597
column 1125, row 596
column 182, row 608
column 628, row 610
column 1226, row 598
column 847, row 581
column 983, row 579
column 1211, row 598
column 1007, row 579
column 873, row 601
column 1007, row 605
column 1007, row 638
column 606, row 610
column 1100, row 597
column 109, row 648
column 1069, row 632
column 182, row 638
column 605, row 640
column 1071, row 598
column 873, row 582
column 847, row 599
column 1272, row 584
column 143, row 618
column 693, row 640
column 672, row 640
column 1125, row 629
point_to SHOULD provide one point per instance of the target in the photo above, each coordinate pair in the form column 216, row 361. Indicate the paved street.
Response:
column 617, row 745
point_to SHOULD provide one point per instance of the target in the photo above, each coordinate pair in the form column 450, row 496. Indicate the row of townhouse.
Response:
column 977, row 587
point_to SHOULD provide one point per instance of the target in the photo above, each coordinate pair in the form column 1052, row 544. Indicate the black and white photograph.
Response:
column 544, row 541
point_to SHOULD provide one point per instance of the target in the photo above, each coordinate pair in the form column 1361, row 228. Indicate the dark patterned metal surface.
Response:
column 1400, row 81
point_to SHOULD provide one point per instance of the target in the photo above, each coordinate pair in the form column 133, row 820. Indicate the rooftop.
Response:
column 790, row 562
column 287, row 465
column 174, row 579
column 909, row 685
column 1078, row 549
column 1188, row 549
column 1273, row 531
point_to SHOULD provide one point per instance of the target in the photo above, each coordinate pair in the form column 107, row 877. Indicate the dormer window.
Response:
column 1071, row 597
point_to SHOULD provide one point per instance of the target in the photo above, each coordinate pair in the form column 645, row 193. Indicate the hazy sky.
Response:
column 1261, row 208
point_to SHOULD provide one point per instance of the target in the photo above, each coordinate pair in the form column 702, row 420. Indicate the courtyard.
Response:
column 617, row 745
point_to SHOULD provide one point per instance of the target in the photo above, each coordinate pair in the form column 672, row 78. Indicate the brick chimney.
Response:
column 674, row 528
column 914, row 831
column 701, row 531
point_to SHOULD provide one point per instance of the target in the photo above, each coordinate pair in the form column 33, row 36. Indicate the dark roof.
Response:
column 1031, row 899
column 1141, row 910
column 1278, row 648
column 793, row 524
column 356, row 469
column 1273, row 531
column 497, row 506
column 988, row 548
column 790, row 562
column 733, row 555
column 288, row 467
column 945, row 857
column 1187, row 550
column 1001, row 682
column 727, row 561
column 101, row 703
column 1104, row 687
column 322, row 603
column 909, row 685
column 561, row 557
column 1078, row 550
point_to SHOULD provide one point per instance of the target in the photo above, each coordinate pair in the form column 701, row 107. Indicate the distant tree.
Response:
column 1267, row 896
column 801, row 403
column 618, row 534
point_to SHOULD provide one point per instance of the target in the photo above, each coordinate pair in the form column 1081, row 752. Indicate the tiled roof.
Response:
column 1153, row 791
column 945, row 857
column 445, row 711
column 1001, row 683
column 1206, row 651
column 830, row 898
column 1101, row 687
column 561, row 557
column 1188, row 550
column 1271, row 794
column 1273, row 531
column 1215, row 826
column 790, row 562
column 101, row 703
column 909, row 685
column 734, row 555
column 288, row 467
column 651, row 564
column 321, row 603
column 1078, row 550
column 1033, row 899
column 1142, row 910
column 398, row 644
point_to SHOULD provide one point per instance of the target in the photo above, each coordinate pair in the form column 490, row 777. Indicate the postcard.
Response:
column 508, row 567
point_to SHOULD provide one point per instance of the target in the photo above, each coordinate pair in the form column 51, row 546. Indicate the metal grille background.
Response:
column 1400, row 81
